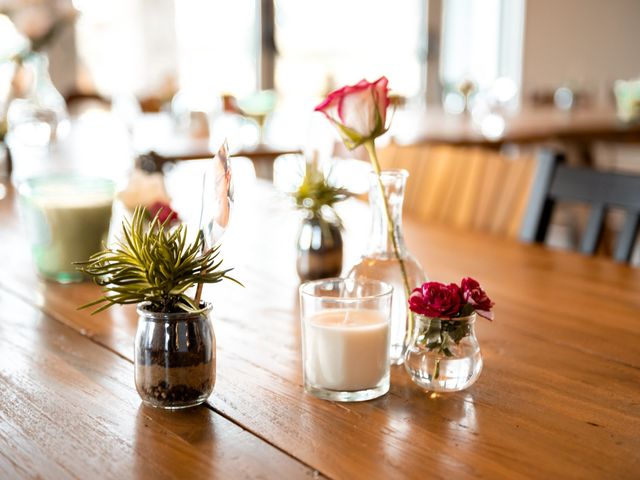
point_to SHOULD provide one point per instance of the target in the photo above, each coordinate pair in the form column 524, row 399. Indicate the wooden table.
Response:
column 262, row 157
column 157, row 141
column 559, row 396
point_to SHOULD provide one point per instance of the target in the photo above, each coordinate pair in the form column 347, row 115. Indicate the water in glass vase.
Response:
column 438, row 373
column 444, row 354
column 380, row 261
column 388, row 270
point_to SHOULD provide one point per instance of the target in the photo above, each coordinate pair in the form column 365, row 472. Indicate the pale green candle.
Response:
column 67, row 218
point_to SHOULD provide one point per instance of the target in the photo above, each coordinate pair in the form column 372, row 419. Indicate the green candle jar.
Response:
column 67, row 219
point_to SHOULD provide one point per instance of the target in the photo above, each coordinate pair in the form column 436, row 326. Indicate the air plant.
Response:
column 153, row 263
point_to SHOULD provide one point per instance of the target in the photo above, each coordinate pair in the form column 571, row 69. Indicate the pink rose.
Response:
column 164, row 212
column 358, row 111
column 435, row 299
column 473, row 294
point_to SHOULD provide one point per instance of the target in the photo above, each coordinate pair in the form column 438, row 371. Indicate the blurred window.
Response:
column 481, row 42
column 327, row 44
column 145, row 46
column 217, row 47
column 126, row 46
column 213, row 46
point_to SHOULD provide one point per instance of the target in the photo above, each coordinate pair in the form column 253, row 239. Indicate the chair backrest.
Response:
column 556, row 181
column 467, row 187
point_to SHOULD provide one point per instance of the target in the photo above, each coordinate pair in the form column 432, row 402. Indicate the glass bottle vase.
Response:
column 319, row 249
column 174, row 357
column 444, row 354
column 380, row 262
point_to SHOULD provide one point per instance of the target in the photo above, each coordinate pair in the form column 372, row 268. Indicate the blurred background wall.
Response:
column 586, row 43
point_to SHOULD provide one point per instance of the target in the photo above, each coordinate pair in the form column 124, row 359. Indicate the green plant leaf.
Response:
column 154, row 264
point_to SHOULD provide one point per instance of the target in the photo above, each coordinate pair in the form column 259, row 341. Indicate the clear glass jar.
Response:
column 345, row 338
column 444, row 354
column 175, row 358
column 67, row 219
column 380, row 262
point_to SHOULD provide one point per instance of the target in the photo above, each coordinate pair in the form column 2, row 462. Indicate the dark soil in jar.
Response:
column 182, row 394
column 176, row 365
column 180, row 383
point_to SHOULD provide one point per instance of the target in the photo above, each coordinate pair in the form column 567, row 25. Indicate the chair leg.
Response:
column 592, row 234
column 627, row 237
column 538, row 215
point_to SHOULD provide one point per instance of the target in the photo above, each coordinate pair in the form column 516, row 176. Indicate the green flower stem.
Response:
column 370, row 146
column 198, row 296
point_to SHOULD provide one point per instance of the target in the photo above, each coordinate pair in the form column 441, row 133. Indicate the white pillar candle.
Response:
column 347, row 349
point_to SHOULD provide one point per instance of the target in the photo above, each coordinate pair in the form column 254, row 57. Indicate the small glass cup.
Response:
column 345, row 338
column 67, row 219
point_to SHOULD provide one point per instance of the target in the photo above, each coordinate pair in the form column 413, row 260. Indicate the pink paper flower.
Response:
column 359, row 111
column 435, row 299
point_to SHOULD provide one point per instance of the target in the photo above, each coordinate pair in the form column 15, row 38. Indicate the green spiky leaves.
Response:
column 152, row 263
column 316, row 193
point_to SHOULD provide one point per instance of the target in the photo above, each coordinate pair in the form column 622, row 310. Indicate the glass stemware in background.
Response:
column 231, row 126
column 627, row 93
column 258, row 107
column 39, row 115
column 37, row 118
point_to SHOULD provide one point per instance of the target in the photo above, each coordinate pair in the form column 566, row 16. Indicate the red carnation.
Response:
column 473, row 294
column 166, row 215
column 435, row 299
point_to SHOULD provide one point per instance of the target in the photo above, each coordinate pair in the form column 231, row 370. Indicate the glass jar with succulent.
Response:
column 319, row 237
column 156, row 268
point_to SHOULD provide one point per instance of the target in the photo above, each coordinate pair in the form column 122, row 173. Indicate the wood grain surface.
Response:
column 559, row 394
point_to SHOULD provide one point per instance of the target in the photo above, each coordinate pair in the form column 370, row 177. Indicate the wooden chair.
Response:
column 466, row 187
column 557, row 182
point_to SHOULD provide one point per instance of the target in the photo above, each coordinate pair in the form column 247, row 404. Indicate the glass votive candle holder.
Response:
column 345, row 338
column 67, row 220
